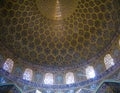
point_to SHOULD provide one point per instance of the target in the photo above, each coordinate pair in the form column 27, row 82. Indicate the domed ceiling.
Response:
column 57, row 33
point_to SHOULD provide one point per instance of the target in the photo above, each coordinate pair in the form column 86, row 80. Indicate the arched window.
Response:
column 8, row 65
column 48, row 78
column 28, row 74
column 108, row 60
column 37, row 91
column 90, row 73
column 69, row 78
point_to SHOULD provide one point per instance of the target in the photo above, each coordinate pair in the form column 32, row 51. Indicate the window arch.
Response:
column 69, row 78
column 48, row 78
column 90, row 73
column 28, row 74
column 8, row 65
column 108, row 60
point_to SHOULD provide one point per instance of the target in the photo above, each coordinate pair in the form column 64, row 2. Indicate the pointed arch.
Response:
column 69, row 78
column 8, row 65
column 90, row 73
column 108, row 60
column 28, row 74
column 48, row 78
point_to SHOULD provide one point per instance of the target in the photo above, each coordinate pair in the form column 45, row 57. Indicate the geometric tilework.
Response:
column 81, row 35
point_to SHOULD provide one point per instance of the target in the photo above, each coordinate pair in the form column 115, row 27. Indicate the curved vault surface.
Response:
column 59, row 36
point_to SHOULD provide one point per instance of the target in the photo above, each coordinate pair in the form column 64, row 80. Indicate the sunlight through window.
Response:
column 69, row 78
column 108, row 60
column 28, row 74
column 8, row 65
column 48, row 78
column 90, row 73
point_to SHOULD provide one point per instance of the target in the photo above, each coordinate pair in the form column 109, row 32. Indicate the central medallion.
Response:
column 56, row 9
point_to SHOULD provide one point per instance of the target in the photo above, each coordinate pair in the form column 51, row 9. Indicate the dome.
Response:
column 54, row 38
column 59, row 33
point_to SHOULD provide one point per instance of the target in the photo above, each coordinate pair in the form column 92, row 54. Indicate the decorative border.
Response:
column 62, row 86
column 103, row 82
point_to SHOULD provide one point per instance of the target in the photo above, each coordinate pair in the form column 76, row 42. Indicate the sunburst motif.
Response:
column 58, row 13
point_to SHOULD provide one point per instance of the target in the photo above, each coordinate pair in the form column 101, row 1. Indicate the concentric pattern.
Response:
column 56, row 9
column 40, row 40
